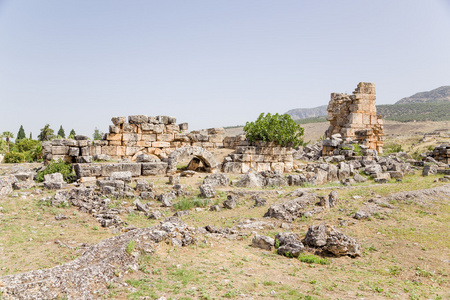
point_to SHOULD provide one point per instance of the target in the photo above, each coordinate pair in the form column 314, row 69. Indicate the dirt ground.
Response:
column 406, row 249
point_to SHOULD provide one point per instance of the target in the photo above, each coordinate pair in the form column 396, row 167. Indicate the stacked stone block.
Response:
column 158, row 136
column 232, row 142
column 441, row 153
column 355, row 116
column 267, row 157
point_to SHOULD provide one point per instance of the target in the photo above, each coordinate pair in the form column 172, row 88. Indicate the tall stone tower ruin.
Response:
column 355, row 116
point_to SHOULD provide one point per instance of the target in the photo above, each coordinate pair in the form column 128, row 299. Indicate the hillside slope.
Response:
column 441, row 94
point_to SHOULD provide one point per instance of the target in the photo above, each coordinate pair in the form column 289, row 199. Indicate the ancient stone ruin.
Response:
column 154, row 136
column 355, row 117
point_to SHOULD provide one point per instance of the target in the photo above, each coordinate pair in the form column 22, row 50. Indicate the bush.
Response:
column 58, row 167
column 280, row 129
column 14, row 157
column 393, row 148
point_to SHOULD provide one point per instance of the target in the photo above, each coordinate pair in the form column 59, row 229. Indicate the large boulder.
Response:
column 216, row 180
column 250, row 180
column 123, row 176
column 263, row 242
column 6, row 184
column 330, row 240
column 207, row 191
column 289, row 244
column 54, row 181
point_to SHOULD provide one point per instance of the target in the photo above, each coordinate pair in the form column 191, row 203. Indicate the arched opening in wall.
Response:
column 191, row 163
column 191, row 158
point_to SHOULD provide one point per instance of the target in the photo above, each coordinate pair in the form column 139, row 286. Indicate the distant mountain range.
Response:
column 433, row 105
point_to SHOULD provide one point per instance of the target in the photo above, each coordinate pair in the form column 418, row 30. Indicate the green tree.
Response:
column 61, row 132
column 46, row 133
column 72, row 134
column 97, row 134
column 21, row 133
column 280, row 129
column 7, row 135
column 31, row 135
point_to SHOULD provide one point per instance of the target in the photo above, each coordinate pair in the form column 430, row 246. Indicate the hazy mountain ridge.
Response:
column 441, row 94
column 304, row 113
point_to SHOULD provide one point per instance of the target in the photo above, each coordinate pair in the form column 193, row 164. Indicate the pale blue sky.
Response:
column 209, row 63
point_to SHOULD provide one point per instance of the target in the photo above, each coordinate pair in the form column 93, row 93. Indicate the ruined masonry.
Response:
column 154, row 136
column 355, row 117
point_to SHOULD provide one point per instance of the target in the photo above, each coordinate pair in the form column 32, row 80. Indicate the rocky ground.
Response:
column 340, row 227
column 366, row 241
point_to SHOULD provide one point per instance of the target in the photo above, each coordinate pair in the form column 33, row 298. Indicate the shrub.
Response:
column 393, row 148
column 14, row 157
column 130, row 246
column 58, row 167
column 280, row 129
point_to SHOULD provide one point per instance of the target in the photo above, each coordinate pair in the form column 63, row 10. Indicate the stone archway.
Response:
column 204, row 155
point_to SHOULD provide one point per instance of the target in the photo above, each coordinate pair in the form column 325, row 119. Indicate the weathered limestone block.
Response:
column 130, row 150
column 233, row 167
column 107, row 169
column 74, row 151
column 160, row 144
column 82, row 143
column 110, row 150
column 134, row 168
column 129, row 128
column 114, row 129
column 154, row 168
column 60, row 150
column 118, row 120
column 183, row 126
column 84, row 151
column 165, row 137
column 138, row 119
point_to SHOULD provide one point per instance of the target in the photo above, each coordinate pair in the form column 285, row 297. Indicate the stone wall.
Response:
column 355, row 116
column 232, row 142
column 157, row 136
column 266, row 157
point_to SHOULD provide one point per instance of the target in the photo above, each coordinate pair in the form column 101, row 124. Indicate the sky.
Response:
column 209, row 63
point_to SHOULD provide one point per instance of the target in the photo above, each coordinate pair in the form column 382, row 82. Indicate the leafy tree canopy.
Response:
column 280, row 129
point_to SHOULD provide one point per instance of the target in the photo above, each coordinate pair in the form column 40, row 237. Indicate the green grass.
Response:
column 130, row 246
column 189, row 203
column 313, row 259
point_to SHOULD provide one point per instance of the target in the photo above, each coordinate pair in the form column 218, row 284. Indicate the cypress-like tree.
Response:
column 61, row 132
column 97, row 134
column 72, row 134
column 46, row 133
column 31, row 135
column 21, row 133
